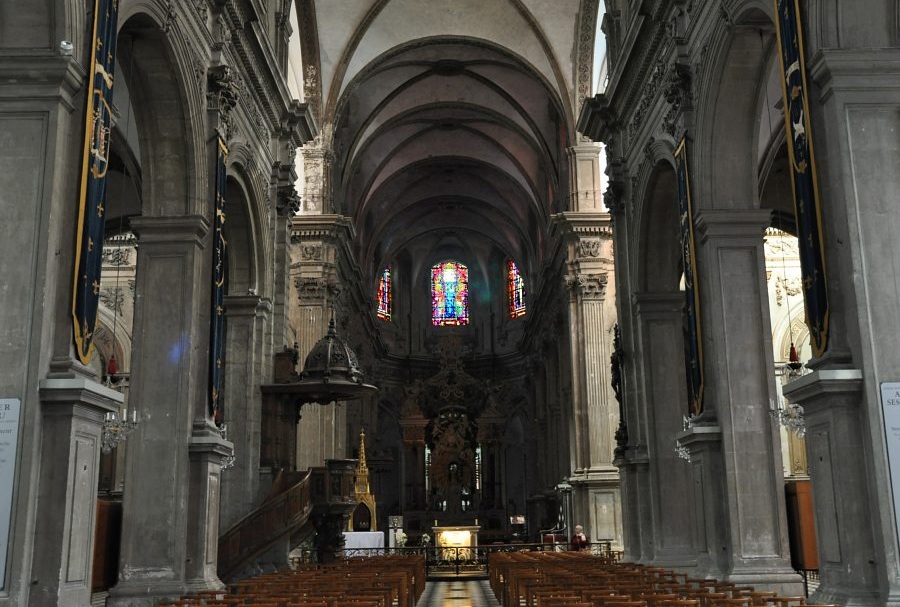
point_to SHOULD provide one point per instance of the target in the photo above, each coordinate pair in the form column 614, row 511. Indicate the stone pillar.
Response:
column 207, row 451
column 739, row 389
column 73, row 414
column 248, row 319
column 855, row 116
column 659, row 327
column 637, row 520
column 413, row 480
column 703, row 442
column 170, row 492
column 831, row 400
column 594, row 412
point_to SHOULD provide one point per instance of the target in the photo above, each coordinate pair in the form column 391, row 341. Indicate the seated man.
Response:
column 579, row 540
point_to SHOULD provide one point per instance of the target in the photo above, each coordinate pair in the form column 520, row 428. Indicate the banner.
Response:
column 217, row 322
column 92, row 195
column 804, row 181
column 693, row 343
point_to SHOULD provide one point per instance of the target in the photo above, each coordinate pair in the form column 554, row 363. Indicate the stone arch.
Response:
column 168, row 111
column 732, row 91
column 244, row 251
column 659, row 237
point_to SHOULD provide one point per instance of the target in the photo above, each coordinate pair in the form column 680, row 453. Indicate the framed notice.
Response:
column 395, row 522
column 890, row 405
column 9, row 440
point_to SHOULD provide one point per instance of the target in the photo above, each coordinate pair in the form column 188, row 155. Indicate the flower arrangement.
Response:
column 426, row 539
column 399, row 538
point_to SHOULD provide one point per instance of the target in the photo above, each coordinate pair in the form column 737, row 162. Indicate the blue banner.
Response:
column 90, row 227
column 217, row 323
column 693, row 343
column 804, row 181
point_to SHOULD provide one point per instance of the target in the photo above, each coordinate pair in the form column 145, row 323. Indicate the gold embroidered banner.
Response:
column 804, row 181
column 95, row 161
column 693, row 339
column 217, row 324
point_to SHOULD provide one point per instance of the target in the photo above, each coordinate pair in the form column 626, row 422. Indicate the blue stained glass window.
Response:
column 449, row 294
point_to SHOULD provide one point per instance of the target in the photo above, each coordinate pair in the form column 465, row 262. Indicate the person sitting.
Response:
column 579, row 539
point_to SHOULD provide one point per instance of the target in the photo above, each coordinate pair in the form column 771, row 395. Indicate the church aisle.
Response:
column 458, row 593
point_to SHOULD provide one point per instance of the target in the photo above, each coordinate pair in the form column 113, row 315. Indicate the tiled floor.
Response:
column 458, row 593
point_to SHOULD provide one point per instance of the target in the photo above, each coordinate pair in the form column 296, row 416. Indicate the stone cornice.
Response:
column 40, row 77
column 581, row 225
column 864, row 70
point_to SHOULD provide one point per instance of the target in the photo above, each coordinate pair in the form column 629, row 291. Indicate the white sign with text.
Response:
column 9, row 442
column 890, row 405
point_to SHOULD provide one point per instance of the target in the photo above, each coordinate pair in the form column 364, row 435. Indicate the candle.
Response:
column 134, row 415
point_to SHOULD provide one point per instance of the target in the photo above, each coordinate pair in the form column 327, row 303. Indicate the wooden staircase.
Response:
column 281, row 515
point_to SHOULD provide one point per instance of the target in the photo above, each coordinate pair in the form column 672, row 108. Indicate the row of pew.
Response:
column 378, row 581
column 578, row 579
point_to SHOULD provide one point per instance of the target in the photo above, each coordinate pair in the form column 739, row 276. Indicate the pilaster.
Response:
column 159, row 555
column 659, row 319
column 73, row 414
column 593, row 415
column 831, row 400
column 248, row 319
column 739, row 387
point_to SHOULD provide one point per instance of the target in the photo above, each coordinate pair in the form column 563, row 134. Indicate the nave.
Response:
column 526, row 578
column 458, row 593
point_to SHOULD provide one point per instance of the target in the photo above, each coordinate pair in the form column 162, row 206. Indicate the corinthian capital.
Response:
column 587, row 286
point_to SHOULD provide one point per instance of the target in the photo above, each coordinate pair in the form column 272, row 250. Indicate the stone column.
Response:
column 594, row 410
column 248, row 319
column 659, row 327
column 853, row 84
column 834, row 443
column 170, row 493
column 73, row 414
column 739, row 390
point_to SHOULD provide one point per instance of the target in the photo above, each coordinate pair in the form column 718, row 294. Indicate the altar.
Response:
column 456, row 542
column 363, row 543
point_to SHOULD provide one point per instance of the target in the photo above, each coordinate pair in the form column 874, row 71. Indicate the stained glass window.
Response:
column 385, row 295
column 449, row 294
column 516, row 287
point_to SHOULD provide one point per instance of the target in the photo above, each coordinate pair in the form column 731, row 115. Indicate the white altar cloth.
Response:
column 371, row 542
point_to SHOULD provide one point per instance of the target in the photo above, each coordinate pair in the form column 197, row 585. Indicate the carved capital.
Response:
column 221, row 93
column 316, row 289
column 587, row 286
column 678, row 94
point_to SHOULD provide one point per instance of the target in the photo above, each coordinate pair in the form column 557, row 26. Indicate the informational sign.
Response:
column 9, row 439
column 890, row 405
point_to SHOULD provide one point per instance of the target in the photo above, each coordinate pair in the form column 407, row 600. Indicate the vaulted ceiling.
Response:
column 450, row 119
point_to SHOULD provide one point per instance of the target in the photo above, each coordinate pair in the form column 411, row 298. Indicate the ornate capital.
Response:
column 587, row 286
column 316, row 289
column 221, row 93
column 679, row 95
